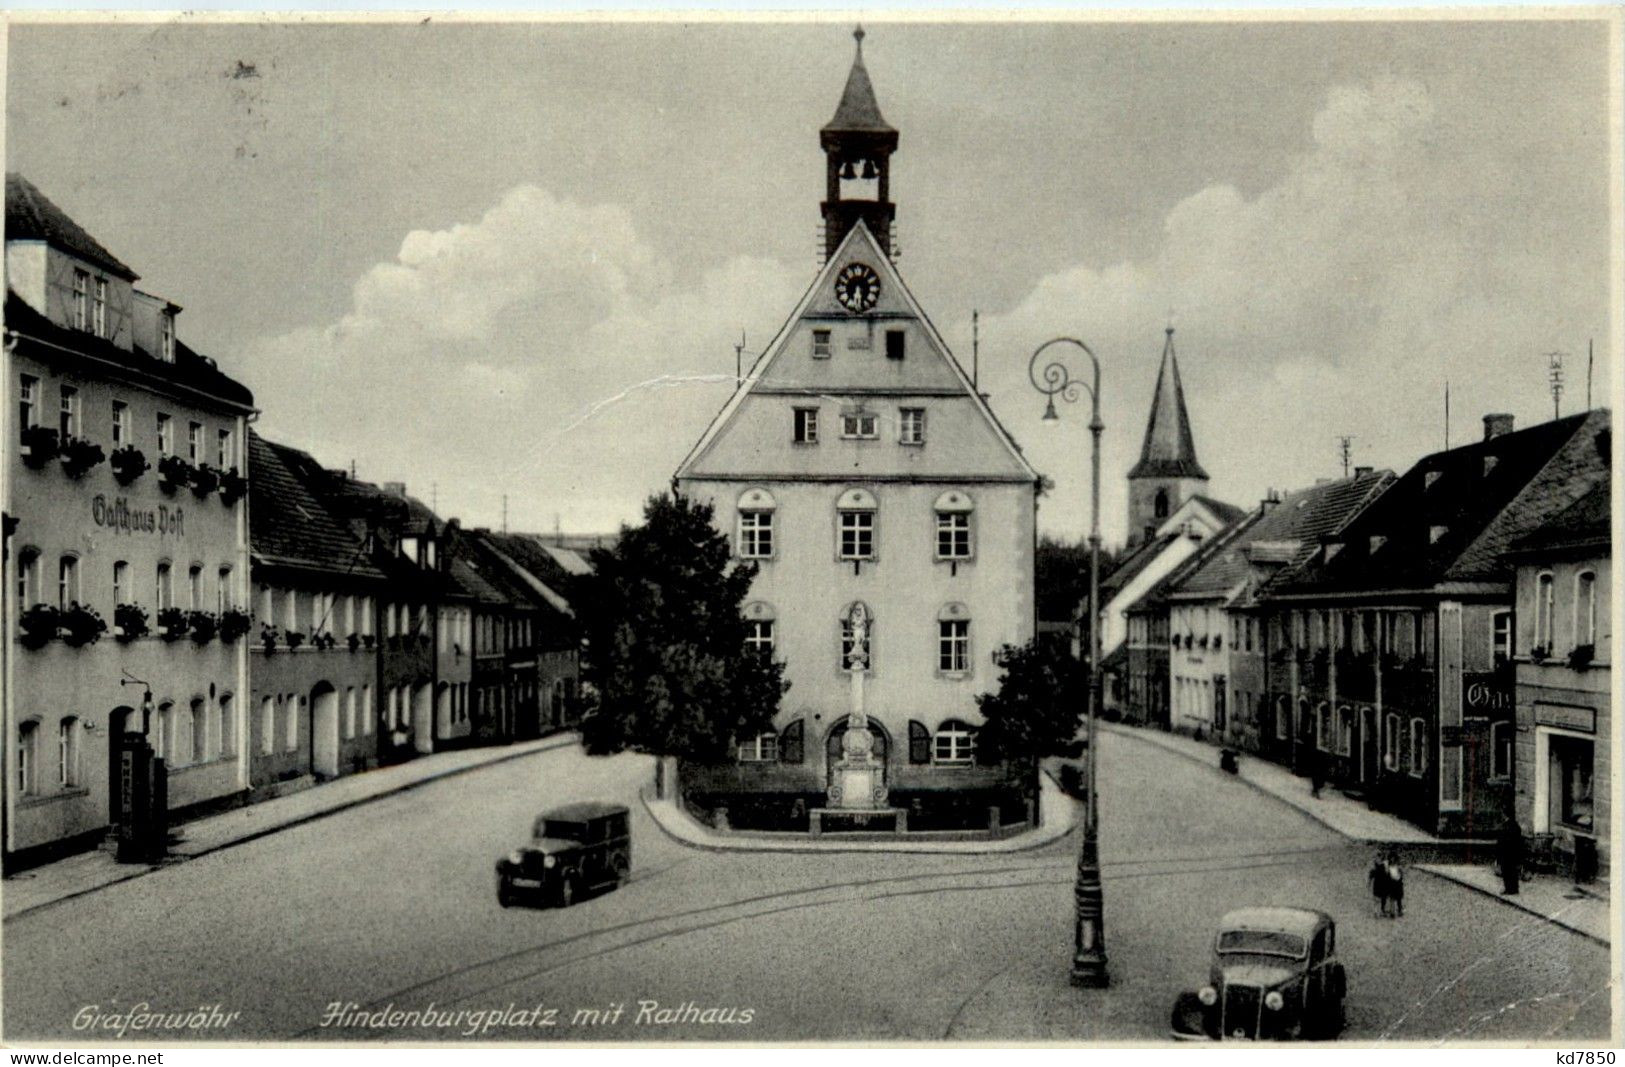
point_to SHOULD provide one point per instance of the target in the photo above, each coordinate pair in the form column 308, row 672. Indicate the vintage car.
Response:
column 572, row 849
column 1275, row 975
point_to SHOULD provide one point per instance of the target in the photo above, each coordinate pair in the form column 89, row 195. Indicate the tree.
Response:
column 1038, row 706
column 664, row 651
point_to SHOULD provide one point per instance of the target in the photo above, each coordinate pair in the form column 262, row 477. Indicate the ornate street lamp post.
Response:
column 1088, row 936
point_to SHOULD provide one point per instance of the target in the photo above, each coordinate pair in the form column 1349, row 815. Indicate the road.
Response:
column 391, row 906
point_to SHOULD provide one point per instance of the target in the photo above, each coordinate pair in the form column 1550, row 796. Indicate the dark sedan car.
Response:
column 1274, row 975
column 572, row 849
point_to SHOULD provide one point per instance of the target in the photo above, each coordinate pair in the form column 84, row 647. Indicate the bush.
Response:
column 130, row 622
column 172, row 624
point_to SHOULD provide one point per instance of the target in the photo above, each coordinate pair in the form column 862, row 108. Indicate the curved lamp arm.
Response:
column 1057, row 380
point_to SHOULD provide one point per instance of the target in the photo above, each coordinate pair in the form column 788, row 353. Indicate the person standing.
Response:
column 1509, row 854
column 1396, row 883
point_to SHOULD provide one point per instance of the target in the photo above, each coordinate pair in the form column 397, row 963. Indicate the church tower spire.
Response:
column 857, row 144
column 1168, row 473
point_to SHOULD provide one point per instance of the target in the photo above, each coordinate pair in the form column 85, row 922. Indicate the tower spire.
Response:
column 857, row 143
column 1169, row 450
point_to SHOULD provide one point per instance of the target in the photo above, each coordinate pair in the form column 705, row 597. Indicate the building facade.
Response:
column 857, row 464
column 126, row 583
column 1388, row 645
column 1563, row 641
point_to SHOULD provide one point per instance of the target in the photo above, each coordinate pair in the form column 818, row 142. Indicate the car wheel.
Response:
column 622, row 872
column 567, row 891
column 504, row 896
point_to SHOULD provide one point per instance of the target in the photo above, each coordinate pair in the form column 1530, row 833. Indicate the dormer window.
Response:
column 1332, row 548
column 1429, row 478
column 1436, row 532
column 166, row 337
column 1377, row 541
column 1489, row 464
column 98, row 309
column 428, row 553
column 409, row 548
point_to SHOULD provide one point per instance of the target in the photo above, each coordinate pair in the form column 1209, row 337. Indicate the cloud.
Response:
column 543, row 352
column 1338, row 300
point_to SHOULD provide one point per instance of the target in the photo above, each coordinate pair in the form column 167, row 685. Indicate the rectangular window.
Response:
column 763, row 748
column 953, row 645
column 1501, row 735
column 292, row 705
column 81, row 300
column 857, row 535
column 1500, row 637
column 755, row 534
column 223, row 600
column 806, row 426
column 121, row 582
column 1571, row 759
column 67, row 753
column 894, row 344
column 166, row 337
column 860, row 425
column 1585, row 609
column 953, row 535
column 1543, row 613
column 194, row 442
column 1419, row 748
column 194, row 588
column 121, row 424
column 267, row 726
column 225, row 450
column 165, row 594
column 911, row 426
column 67, row 582
column 166, row 435
column 759, row 637
column 69, row 423
column 366, row 711
column 28, row 402
column 98, row 318
column 821, row 344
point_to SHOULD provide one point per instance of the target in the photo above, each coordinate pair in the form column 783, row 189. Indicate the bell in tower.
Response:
column 857, row 145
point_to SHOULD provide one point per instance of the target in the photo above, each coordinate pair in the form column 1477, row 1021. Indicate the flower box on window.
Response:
column 1582, row 655
column 354, row 641
column 172, row 624
column 205, row 480
column 173, row 472
column 369, row 641
column 234, row 623
column 38, row 625
column 39, row 446
column 268, row 637
column 79, row 456
column 294, row 638
column 129, row 622
column 323, row 641
column 202, row 625
column 1539, row 653
column 80, row 625
column 232, row 486
column 128, row 463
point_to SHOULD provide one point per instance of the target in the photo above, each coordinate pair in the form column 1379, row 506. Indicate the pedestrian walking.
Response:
column 1378, row 877
column 1396, row 883
column 1509, row 855
column 1317, row 773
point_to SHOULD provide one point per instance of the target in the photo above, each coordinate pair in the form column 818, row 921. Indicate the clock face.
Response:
column 857, row 287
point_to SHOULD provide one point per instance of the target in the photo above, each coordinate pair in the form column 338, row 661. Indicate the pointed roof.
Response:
column 30, row 216
column 858, row 111
column 1169, row 450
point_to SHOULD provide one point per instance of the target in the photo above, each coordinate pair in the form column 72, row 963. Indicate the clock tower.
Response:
column 857, row 144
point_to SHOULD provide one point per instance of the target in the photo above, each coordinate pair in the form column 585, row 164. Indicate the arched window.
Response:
column 953, row 639
column 28, row 758
column 759, row 628
column 855, row 511
column 1323, row 727
column 1585, row 609
column 225, row 734
column 164, row 731
column 1419, row 747
column 790, row 742
column 367, row 711
column 200, row 732
column 294, row 706
column 953, row 510
column 164, row 590
column 121, row 582
column 1283, row 719
column 27, row 579
column 953, row 743
column 178, row 732
column 1159, row 506
column 1390, row 742
column 1345, row 729
column 763, row 748
column 223, row 599
column 756, row 508
column 1543, row 612
column 194, row 587
column 67, row 752
column 267, row 726
column 349, row 712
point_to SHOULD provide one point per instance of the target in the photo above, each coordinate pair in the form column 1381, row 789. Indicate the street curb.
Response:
column 1434, row 848
column 778, row 845
column 1513, row 902
column 557, row 741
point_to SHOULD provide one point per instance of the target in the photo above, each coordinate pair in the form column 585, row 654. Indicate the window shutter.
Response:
column 790, row 749
column 919, row 743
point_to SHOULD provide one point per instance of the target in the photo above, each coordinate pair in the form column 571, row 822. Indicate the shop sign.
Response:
column 1481, row 693
column 117, row 515
column 1566, row 717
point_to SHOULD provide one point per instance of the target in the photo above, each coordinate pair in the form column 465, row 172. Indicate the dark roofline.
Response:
column 32, row 216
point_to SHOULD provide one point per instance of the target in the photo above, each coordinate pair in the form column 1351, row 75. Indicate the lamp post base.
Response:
column 1089, row 938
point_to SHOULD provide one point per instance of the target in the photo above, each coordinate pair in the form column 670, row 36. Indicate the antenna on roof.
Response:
column 739, row 361
column 558, row 533
column 1591, row 356
column 504, row 513
column 975, row 346
column 1447, row 414
column 1345, row 448
column 352, row 470
column 1554, row 378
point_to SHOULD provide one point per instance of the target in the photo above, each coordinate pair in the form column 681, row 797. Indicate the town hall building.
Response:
column 860, row 469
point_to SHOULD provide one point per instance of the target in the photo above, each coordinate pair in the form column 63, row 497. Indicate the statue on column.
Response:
column 859, row 781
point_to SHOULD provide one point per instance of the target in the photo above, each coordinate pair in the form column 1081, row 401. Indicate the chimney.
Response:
column 396, row 489
column 1271, row 498
column 1496, row 425
column 1360, row 472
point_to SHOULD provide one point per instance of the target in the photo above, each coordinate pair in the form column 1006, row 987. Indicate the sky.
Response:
column 513, row 260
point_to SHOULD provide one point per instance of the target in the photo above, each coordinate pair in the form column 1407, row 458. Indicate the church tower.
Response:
column 1168, row 473
column 858, row 144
